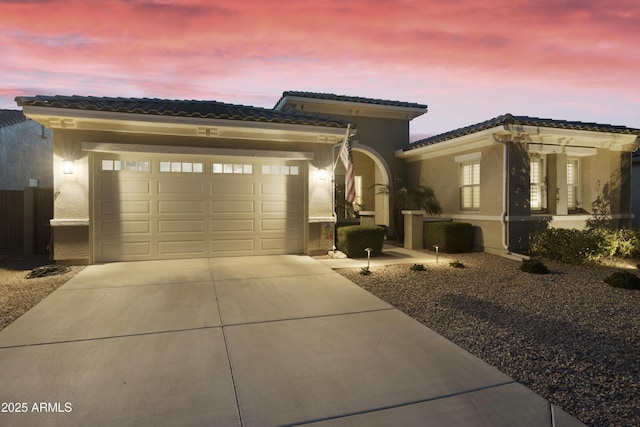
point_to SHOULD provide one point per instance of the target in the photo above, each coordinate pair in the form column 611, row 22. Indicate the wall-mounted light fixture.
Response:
column 68, row 167
column 322, row 174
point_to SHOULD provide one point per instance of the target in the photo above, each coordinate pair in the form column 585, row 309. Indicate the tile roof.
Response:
column 508, row 119
column 358, row 99
column 11, row 117
column 185, row 108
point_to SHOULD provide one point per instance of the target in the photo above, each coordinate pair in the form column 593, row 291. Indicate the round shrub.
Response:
column 623, row 279
column 354, row 239
column 534, row 267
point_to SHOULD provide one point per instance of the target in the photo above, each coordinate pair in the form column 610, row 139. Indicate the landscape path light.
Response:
column 437, row 247
column 368, row 251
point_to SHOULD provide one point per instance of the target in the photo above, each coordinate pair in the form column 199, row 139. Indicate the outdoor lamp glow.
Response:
column 68, row 167
column 322, row 174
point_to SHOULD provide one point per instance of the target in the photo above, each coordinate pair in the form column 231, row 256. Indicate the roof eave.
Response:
column 95, row 120
column 349, row 108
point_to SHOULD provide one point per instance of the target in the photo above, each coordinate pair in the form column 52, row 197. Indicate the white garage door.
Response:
column 189, row 206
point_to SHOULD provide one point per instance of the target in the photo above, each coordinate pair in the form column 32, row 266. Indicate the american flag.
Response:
column 349, row 179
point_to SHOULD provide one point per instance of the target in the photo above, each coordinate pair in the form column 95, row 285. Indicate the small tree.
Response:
column 409, row 198
column 601, row 208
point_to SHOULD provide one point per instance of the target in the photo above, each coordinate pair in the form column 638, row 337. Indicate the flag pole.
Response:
column 333, row 188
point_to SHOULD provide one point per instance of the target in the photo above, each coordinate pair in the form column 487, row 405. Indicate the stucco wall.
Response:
column 24, row 154
column 442, row 174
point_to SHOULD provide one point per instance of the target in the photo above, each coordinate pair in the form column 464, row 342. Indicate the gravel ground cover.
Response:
column 566, row 335
column 19, row 294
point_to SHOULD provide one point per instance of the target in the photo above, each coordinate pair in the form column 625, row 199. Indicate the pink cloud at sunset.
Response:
column 469, row 60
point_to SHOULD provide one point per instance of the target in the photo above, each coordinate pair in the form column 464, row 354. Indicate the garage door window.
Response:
column 181, row 167
column 245, row 169
column 125, row 165
column 280, row 170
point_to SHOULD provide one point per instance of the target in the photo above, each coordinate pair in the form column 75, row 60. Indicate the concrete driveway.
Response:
column 251, row 341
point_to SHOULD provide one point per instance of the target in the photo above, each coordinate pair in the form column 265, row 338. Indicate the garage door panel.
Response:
column 233, row 225
column 128, row 187
column 232, row 207
column 180, row 226
column 277, row 206
column 285, row 189
column 125, row 250
column 181, row 187
column 108, row 207
column 281, row 225
column 126, row 227
column 190, row 247
column 278, row 244
column 221, row 188
column 233, row 245
column 180, row 206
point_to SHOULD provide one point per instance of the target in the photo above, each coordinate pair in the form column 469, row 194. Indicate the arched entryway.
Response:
column 371, row 173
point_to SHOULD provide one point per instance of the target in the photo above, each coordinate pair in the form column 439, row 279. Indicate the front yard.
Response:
column 566, row 335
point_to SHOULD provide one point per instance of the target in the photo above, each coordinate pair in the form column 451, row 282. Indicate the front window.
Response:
column 537, row 174
column 470, row 185
column 573, row 184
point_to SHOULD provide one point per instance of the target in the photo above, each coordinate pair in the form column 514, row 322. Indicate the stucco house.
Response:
column 142, row 179
column 512, row 175
column 25, row 152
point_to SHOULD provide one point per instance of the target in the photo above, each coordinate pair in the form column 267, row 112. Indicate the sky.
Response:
column 468, row 60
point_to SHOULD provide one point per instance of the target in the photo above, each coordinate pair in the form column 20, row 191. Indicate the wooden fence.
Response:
column 25, row 213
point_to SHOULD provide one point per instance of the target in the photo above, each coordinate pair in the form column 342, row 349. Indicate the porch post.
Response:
column 413, row 229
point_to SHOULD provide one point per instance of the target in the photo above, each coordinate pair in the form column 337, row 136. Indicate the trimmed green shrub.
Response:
column 450, row 237
column 354, row 239
column 534, row 267
column 623, row 279
column 584, row 246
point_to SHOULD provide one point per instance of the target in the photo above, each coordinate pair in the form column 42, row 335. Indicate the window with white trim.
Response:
column 573, row 183
column 538, row 175
column 470, row 185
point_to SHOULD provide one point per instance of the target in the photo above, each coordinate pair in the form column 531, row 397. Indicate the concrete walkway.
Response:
column 254, row 341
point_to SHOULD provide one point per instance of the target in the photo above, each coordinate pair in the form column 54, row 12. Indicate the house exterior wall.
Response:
column 384, row 136
column 607, row 174
column 442, row 174
column 72, row 208
column 25, row 154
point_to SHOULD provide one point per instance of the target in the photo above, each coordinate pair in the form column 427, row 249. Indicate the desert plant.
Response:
column 409, row 198
column 418, row 267
column 365, row 271
column 623, row 279
column 534, row 267
column 456, row 264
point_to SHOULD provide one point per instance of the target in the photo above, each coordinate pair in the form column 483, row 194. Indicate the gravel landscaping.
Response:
column 566, row 335
column 19, row 294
